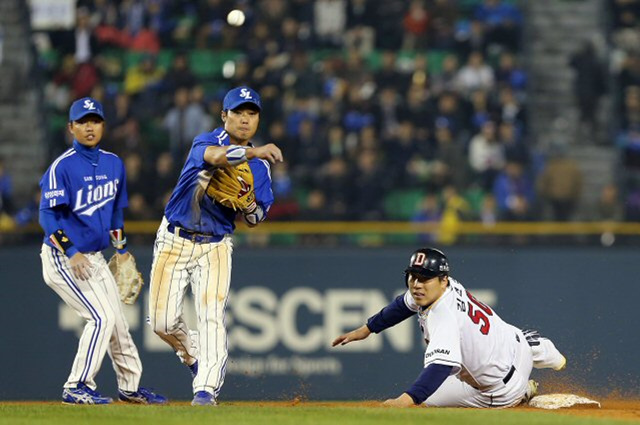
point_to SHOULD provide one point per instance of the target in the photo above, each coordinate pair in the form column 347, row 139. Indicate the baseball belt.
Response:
column 194, row 237
column 507, row 378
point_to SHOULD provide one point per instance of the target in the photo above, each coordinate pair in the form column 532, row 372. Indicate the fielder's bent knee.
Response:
column 162, row 328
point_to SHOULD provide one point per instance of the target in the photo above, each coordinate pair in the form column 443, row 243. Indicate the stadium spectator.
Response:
column 449, row 161
column 387, row 113
column 446, row 79
column 481, row 112
column 443, row 16
column 73, row 80
column 589, row 85
column 609, row 207
column 360, row 34
column 329, row 24
column 133, row 14
column 509, row 74
column 369, row 188
column 334, row 182
column 510, row 108
column 388, row 23
column 388, row 76
column 143, row 76
column 488, row 213
column 475, row 74
column 183, row 122
column 515, row 148
column 630, row 113
column 469, row 37
column 146, row 39
column 514, row 192
column 503, row 22
column 455, row 209
column 6, row 190
column 632, row 199
column 164, row 179
column 178, row 76
column 450, row 112
column 29, row 213
column 137, row 178
column 416, row 24
column 286, row 205
column 399, row 148
column 428, row 212
column 559, row 186
column 419, row 78
column 486, row 155
column 315, row 208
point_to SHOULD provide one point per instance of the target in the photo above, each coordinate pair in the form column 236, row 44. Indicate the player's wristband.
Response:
column 62, row 242
column 118, row 240
column 236, row 155
column 254, row 215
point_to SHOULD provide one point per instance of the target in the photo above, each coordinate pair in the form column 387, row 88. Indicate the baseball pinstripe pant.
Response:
column 97, row 301
column 177, row 264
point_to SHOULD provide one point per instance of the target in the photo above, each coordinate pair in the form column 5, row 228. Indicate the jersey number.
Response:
column 479, row 315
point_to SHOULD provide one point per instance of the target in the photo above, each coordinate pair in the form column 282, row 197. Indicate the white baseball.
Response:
column 235, row 18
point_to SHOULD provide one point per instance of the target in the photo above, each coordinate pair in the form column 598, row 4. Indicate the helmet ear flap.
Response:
column 406, row 279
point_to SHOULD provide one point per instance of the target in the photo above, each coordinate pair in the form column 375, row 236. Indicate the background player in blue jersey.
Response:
column 193, row 244
column 83, row 194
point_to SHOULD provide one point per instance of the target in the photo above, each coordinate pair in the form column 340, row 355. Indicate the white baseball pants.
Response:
column 97, row 301
column 177, row 264
column 455, row 393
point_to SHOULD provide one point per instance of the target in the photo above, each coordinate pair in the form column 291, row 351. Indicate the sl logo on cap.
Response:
column 89, row 105
column 245, row 94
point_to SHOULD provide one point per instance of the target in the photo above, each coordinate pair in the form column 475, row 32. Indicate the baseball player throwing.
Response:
column 83, row 195
column 193, row 245
column 473, row 358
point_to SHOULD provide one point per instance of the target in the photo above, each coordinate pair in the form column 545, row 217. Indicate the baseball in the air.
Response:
column 235, row 18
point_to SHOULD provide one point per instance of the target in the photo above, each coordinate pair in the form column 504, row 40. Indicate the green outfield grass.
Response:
column 257, row 414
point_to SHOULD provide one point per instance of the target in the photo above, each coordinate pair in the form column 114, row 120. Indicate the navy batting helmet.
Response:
column 427, row 263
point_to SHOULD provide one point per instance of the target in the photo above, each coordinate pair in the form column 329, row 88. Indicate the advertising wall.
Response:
column 287, row 305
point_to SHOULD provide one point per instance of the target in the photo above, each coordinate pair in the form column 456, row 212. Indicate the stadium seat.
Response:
column 435, row 59
column 113, row 64
column 402, row 204
column 164, row 58
column 207, row 64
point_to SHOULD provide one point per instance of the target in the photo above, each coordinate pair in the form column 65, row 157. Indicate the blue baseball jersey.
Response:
column 192, row 209
column 91, row 184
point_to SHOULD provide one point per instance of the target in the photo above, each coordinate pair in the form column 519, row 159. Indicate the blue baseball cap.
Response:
column 85, row 106
column 239, row 96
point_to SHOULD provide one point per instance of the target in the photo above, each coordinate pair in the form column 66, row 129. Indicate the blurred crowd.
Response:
column 626, row 65
column 384, row 110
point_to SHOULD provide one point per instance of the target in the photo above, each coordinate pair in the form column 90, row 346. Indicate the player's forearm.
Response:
column 428, row 382
column 49, row 222
column 215, row 155
column 391, row 315
column 225, row 156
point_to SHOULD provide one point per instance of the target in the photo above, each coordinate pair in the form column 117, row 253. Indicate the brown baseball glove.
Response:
column 233, row 187
column 128, row 278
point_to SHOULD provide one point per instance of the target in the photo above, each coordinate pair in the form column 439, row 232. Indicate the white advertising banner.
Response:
column 52, row 14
